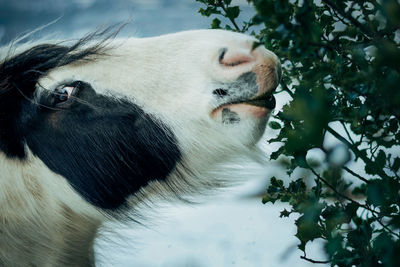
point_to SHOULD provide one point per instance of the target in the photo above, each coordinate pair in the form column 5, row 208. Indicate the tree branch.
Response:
column 356, row 152
column 338, row 193
column 366, row 32
column 356, row 175
column 347, row 132
column 221, row 4
column 386, row 227
column 313, row 261
column 286, row 89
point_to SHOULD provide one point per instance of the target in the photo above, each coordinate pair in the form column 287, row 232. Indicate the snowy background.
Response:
column 232, row 228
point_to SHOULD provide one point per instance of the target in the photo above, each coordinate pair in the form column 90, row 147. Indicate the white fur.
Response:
column 40, row 214
column 44, row 222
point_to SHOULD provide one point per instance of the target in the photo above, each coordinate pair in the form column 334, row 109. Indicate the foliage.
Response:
column 341, row 68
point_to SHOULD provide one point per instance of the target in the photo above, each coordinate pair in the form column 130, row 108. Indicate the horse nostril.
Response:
column 222, row 53
column 233, row 57
column 220, row 92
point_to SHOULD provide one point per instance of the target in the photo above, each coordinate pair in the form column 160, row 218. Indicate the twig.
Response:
column 347, row 132
column 356, row 151
column 361, row 138
column 338, row 17
column 286, row 89
column 385, row 227
column 338, row 193
column 221, row 4
column 366, row 31
column 356, row 175
column 314, row 261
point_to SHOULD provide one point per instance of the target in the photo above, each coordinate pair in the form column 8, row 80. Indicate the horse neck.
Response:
column 37, row 228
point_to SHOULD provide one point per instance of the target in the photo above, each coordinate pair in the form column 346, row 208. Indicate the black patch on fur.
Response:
column 229, row 117
column 106, row 148
column 220, row 92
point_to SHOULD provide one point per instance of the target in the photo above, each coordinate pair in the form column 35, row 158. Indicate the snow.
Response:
column 229, row 231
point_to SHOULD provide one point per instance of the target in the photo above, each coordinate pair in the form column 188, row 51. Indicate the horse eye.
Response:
column 63, row 93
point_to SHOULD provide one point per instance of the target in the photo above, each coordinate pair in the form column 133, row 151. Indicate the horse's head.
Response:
column 112, row 119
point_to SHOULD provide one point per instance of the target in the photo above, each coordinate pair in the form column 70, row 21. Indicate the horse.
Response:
column 97, row 129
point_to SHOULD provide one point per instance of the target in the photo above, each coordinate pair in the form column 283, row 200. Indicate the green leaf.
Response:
column 266, row 199
column 285, row 213
column 276, row 182
column 275, row 125
column 380, row 159
column 334, row 244
column 351, row 211
column 396, row 164
column 297, row 186
column 232, row 12
column 301, row 160
column 255, row 45
column 209, row 11
column 360, row 238
column 360, row 190
column 216, row 24
column 307, row 230
column 370, row 169
column 276, row 154
column 383, row 192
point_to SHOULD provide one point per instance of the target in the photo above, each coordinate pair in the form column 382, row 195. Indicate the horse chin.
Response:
column 246, row 122
column 242, row 110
